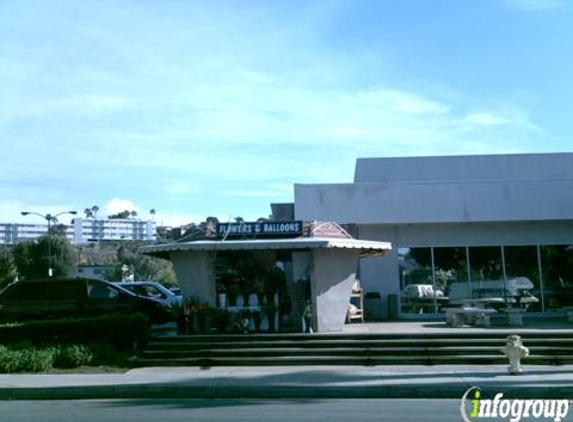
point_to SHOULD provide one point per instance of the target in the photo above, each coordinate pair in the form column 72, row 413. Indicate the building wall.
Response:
column 447, row 201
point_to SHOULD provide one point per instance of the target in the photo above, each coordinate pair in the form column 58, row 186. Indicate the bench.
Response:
column 458, row 317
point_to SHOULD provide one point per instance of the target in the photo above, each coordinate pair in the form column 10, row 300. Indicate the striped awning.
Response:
column 366, row 248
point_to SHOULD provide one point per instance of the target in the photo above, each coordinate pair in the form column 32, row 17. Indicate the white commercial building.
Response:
column 84, row 230
column 457, row 219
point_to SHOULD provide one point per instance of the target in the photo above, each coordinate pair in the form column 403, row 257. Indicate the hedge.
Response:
column 26, row 358
column 122, row 332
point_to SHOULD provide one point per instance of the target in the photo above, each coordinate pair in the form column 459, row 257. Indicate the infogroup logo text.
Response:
column 512, row 409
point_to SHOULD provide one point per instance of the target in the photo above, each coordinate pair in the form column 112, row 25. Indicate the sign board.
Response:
column 266, row 229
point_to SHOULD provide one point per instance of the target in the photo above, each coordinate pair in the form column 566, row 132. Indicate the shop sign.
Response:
column 266, row 228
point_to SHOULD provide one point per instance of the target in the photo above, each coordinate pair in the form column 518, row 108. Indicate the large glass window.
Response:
column 451, row 273
column 522, row 273
column 485, row 263
column 416, row 280
column 535, row 278
column 557, row 270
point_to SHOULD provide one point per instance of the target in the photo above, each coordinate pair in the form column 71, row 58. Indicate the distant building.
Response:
column 84, row 230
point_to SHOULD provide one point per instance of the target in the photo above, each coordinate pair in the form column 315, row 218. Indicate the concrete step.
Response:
column 298, row 349
column 342, row 343
column 352, row 360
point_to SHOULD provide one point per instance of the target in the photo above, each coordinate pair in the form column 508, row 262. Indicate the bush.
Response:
column 26, row 360
column 73, row 356
column 123, row 332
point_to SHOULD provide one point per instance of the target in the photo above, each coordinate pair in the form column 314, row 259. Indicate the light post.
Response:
column 49, row 218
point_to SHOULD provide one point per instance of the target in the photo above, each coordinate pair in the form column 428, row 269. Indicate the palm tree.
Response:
column 88, row 213
column 133, row 213
column 95, row 210
column 152, row 212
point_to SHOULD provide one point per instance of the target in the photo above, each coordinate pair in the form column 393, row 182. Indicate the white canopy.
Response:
column 367, row 248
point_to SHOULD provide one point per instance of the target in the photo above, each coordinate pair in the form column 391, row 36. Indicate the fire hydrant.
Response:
column 515, row 351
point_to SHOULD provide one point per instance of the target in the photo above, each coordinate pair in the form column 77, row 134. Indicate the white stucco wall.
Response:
column 446, row 190
column 495, row 168
column 332, row 277
column 195, row 275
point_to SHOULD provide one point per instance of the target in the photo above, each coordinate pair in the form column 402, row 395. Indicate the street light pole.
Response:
column 49, row 218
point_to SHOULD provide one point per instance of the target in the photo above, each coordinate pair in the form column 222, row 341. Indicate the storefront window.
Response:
column 522, row 272
column 535, row 278
column 557, row 270
column 416, row 280
column 451, row 274
column 485, row 263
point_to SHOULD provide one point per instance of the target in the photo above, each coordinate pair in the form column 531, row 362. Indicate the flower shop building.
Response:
column 262, row 264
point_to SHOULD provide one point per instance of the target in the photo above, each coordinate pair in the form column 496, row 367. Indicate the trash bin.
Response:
column 372, row 306
column 392, row 307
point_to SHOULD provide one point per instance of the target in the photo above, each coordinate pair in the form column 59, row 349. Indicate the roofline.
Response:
column 366, row 247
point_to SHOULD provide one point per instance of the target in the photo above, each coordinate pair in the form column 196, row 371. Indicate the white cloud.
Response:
column 484, row 119
column 117, row 205
column 405, row 102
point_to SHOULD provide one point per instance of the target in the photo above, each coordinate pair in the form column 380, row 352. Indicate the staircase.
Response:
column 546, row 348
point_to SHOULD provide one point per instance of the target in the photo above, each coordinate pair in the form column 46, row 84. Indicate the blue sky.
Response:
column 198, row 108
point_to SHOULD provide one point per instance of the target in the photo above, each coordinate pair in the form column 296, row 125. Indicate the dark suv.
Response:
column 56, row 298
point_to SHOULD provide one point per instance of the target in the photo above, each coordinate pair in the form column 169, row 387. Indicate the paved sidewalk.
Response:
column 293, row 382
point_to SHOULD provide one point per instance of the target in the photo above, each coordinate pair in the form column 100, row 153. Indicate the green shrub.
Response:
column 26, row 360
column 73, row 356
column 122, row 332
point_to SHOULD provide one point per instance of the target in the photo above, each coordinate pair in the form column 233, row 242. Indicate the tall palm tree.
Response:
column 95, row 210
column 88, row 212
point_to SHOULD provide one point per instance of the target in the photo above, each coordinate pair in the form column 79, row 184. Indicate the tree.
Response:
column 142, row 267
column 120, row 215
column 31, row 258
column 88, row 212
column 95, row 210
column 7, row 267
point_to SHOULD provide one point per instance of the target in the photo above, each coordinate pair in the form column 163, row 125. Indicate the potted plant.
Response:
column 244, row 320
column 234, row 292
column 220, row 319
column 307, row 317
column 222, row 294
column 178, row 312
column 271, row 311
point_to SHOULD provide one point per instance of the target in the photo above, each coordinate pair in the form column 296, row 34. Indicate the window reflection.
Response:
column 452, row 275
column 557, row 270
column 535, row 278
column 416, row 280
column 521, row 262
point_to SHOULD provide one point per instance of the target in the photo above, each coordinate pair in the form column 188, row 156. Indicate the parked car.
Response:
column 67, row 297
column 151, row 289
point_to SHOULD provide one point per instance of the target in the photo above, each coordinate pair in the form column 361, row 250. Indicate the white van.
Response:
column 515, row 291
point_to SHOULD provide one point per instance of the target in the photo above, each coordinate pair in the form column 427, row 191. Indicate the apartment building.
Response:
column 84, row 230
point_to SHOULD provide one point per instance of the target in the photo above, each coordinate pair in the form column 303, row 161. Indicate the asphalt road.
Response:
column 193, row 410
